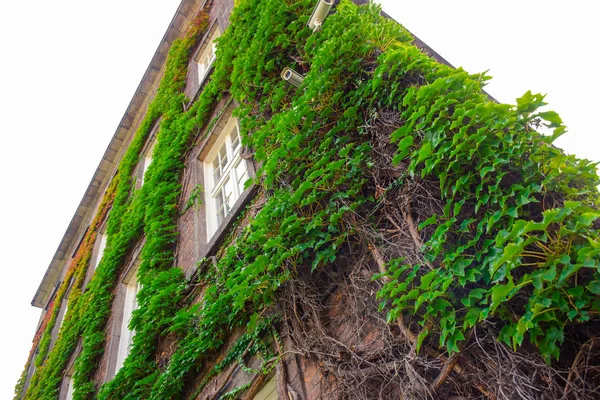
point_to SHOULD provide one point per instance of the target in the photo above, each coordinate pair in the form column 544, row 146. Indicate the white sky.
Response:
column 69, row 69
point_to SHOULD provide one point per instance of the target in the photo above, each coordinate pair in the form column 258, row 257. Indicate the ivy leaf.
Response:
column 558, row 132
column 425, row 152
column 586, row 219
column 428, row 221
column 403, row 149
column 440, row 304
column 426, row 279
column 551, row 117
column 529, row 102
column 471, row 318
column 422, row 335
column 510, row 253
column 252, row 322
column 351, row 112
column 594, row 287
column 500, row 294
column 485, row 170
column 506, row 334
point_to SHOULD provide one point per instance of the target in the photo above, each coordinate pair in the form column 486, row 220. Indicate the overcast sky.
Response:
column 69, row 69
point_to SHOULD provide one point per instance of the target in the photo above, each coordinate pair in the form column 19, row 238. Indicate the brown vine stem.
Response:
column 573, row 371
column 378, row 257
column 413, row 230
column 280, row 371
column 284, row 389
column 445, row 373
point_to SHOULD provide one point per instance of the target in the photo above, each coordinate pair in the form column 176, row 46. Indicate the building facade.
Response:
column 246, row 236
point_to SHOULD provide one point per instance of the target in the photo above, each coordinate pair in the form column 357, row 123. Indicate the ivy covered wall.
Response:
column 477, row 227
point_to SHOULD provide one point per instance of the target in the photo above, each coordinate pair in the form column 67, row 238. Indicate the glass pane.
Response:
column 210, row 56
column 220, row 216
column 221, row 202
column 216, row 170
column 235, row 144
column 223, row 156
column 241, row 174
column 228, row 195
column 219, row 199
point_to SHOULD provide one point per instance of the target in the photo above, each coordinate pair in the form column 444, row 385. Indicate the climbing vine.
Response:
column 472, row 217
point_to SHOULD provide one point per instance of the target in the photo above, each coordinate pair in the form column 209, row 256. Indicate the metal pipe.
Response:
column 292, row 77
column 319, row 14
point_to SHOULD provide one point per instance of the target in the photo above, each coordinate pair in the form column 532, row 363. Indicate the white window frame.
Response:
column 207, row 56
column 228, row 171
column 132, row 287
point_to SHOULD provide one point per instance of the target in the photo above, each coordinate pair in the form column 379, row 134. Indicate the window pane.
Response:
column 235, row 144
column 223, row 156
column 221, row 205
column 216, row 170
column 241, row 174
column 207, row 57
column 220, row 216
column 228, row 194
column 219, row 199
column 210, row 56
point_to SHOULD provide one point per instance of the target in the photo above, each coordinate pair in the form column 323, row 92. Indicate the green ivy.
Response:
column 518, row 214
column 515, row 241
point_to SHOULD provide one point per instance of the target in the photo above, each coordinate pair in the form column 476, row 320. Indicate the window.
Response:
column 132, row 288
column 98, row 252
column 225, row 173
column 146, row 155
column 100, row 249
column 207, row 55
column 146, row 161
column 62, row 318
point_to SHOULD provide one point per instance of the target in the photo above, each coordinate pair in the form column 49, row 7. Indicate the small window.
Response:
column 132, row 287
column 207, row 56
column 62, row 318
column 146, row 161
column 225, row 175
column 101, row 240
column 146, row 155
